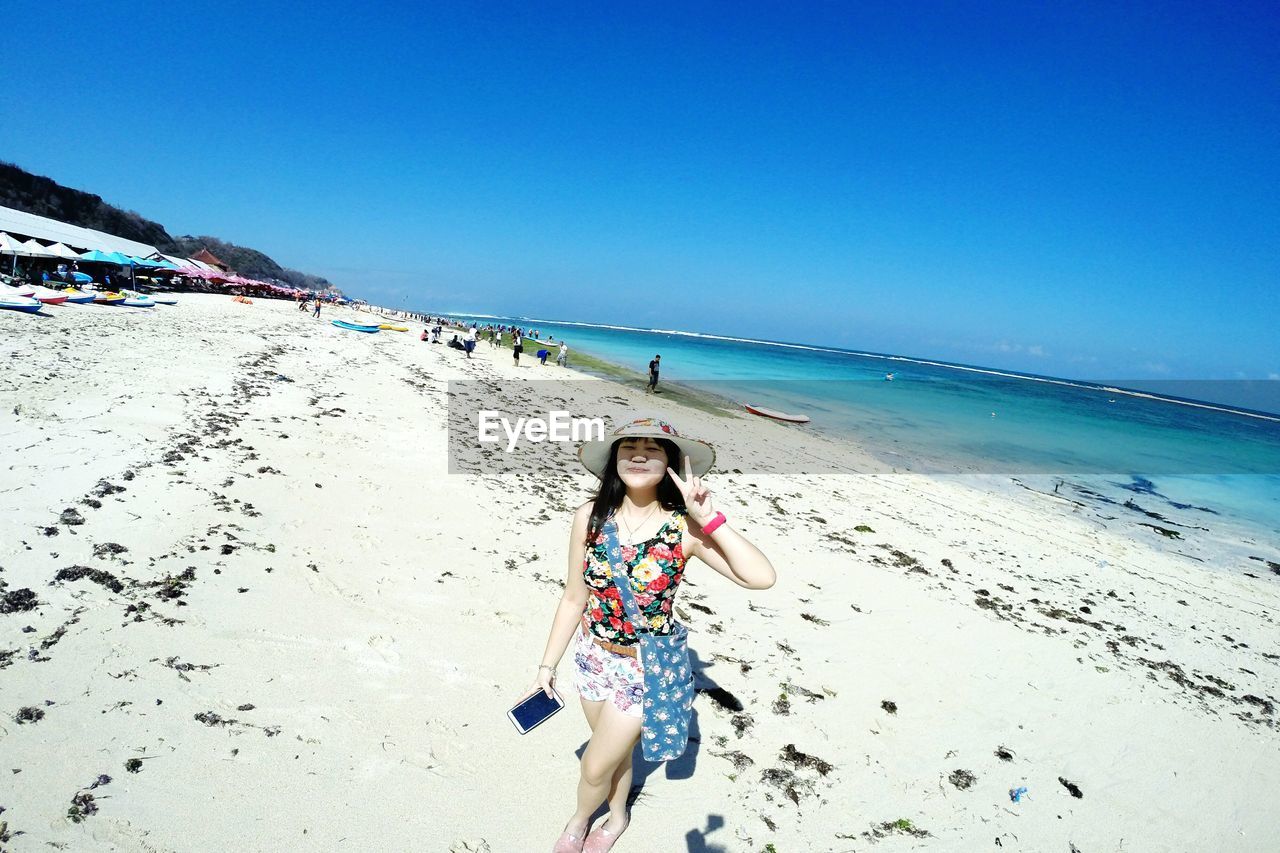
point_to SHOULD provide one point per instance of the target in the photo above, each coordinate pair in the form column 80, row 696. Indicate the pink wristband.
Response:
column 714, row 524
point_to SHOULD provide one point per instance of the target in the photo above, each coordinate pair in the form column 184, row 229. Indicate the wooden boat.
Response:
column 776, row 415
column 354, row 327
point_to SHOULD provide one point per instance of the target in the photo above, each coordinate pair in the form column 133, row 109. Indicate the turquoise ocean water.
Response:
column 934, row 417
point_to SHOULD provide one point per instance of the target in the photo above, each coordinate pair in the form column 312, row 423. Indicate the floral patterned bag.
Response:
column 668, row 675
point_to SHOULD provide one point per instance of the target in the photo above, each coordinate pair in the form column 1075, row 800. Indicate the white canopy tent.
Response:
column 35, row 250
column 10, row 245
column 62, row 251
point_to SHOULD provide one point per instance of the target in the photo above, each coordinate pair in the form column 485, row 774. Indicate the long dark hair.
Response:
column 612, row 490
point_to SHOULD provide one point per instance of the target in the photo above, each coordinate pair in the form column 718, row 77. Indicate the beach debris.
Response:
column 1072, row 787
column 742, row 722
column 108, row 549
column 889, row 706
column 801, row 691
column 183, row 668
column 788, row 782
column 791, row 755
column 133, row 765
column 1163, row 531
column 814, row 619
column 782, row 705
column 71, row 517
column 82, row 804
column 1016, row 794
column 50, row 531
column 901, row 826
column 18, row 600
column 739, row 760
column 470, row 845
column 28, row 715
column 172, row 587
column 962, row 779
column 105, row 488
column 245, row 707
column 209, row 718
column 1004, row 753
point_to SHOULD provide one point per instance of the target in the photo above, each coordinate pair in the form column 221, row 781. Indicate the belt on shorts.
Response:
column 629, row 651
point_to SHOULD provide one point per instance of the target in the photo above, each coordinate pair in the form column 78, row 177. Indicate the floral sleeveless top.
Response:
column 655, row 567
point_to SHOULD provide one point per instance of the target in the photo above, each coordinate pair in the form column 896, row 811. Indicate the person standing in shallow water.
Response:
column 660, row 519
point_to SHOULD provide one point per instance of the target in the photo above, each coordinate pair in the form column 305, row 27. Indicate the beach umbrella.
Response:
column 59, row 250
column 119, row 258
column 37, row 250
column 10, row 245
column 97, row 256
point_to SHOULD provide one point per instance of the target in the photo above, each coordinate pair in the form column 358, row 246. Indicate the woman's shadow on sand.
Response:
column 683, row 767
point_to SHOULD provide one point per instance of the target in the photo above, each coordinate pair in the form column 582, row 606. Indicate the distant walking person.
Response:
column 470, row 343
column 317, row 311
column 563, row 358
column 653, row 373
column 517, row 345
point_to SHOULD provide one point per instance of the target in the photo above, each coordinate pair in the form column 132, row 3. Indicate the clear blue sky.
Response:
column 1089, row 191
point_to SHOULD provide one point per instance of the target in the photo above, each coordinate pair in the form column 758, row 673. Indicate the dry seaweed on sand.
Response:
column 791, row 755
column 962, row 779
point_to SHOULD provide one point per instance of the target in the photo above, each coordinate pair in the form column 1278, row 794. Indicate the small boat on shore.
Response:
column 108, row 297
column 49, row 296
column 20, row 303
column 355, row 327
column 134, row 299
column 387, row 327
column 164, row 298
column 75, row 296
column 775, row 414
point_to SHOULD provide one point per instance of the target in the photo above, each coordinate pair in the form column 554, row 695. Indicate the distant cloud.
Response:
column 1273, row 375
column 1006, row 347
column 1155, row 367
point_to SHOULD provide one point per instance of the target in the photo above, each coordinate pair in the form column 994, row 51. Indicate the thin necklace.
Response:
column 631, row 531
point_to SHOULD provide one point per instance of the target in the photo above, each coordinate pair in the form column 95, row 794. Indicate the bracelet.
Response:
column 711, row 526
column 545, row 666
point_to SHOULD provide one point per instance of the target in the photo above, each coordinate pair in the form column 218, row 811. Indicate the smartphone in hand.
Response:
column 534, row 710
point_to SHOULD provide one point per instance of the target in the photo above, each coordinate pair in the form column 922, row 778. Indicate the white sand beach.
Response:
column 251, row 571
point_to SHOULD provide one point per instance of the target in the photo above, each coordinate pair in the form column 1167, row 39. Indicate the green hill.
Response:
column 43, row 196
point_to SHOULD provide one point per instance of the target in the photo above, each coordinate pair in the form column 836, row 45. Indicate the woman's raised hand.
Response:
column 697, row 497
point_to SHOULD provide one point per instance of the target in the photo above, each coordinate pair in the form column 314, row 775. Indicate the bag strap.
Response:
column 618, row 572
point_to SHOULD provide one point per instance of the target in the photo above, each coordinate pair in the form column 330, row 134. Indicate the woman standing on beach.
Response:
column 517, row 345
column 644, row 523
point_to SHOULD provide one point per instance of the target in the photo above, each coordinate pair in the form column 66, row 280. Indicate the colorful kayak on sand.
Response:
column 134, row 299
column 49, row 296
column 107, row 297
column 76, row 296
column 390, row 328
column 21, row 303
column 355, row 327
column 776, row 415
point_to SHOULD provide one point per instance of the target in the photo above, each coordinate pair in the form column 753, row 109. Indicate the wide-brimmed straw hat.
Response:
column 595, row 453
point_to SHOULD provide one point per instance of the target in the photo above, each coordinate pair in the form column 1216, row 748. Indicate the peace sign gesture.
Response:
column 697, row 497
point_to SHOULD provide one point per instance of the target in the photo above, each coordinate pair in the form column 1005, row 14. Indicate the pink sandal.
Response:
column 568, row 843
column 600, row 840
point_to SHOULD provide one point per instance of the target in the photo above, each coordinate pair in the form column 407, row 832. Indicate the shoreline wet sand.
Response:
column 239, row 581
